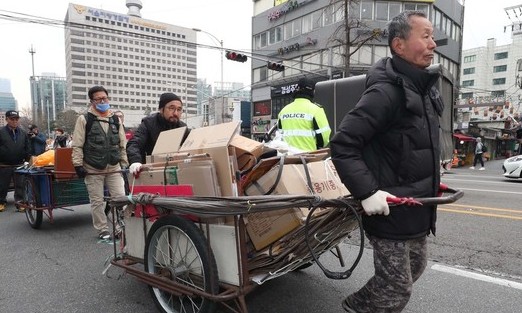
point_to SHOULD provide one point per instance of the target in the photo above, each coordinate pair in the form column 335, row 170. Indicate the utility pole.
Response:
column 220, row 41
column 33, row 87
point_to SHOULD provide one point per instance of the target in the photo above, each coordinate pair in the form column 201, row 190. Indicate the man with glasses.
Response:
column 145, row 137
column 14, row 151
column 99, row 154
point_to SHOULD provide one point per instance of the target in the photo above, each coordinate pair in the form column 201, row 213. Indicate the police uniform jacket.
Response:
column 390, row 142
column 304, row 125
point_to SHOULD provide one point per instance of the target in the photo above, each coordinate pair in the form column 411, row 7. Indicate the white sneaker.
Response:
column 481, row 169
column 472, row 168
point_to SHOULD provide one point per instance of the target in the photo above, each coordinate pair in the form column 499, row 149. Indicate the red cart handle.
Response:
column 453, row 195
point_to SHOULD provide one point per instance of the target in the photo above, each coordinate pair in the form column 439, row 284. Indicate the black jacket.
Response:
column 390, row 142
column 145, row 137
column 14, row 152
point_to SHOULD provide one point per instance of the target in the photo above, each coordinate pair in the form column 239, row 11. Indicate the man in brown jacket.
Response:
column 99, row 155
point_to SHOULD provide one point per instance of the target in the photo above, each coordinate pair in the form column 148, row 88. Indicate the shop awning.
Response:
column 462, row 137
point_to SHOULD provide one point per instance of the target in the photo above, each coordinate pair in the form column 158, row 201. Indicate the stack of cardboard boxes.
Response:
column 217, row 161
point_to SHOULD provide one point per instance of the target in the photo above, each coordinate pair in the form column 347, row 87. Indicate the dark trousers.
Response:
column 398, row 264
column 478, row 157
column 6, row 174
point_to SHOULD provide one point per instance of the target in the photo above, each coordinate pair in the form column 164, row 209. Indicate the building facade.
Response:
column 303, row 36
column 48, row 98
column 491, row 82
column 7, row 100
column 490, row 104
column 135, row 59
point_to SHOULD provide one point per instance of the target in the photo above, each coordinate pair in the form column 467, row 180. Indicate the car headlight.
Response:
column 515, row 159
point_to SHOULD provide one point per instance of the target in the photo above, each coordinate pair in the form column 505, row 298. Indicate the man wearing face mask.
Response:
column 99, row 154
column 145, row 137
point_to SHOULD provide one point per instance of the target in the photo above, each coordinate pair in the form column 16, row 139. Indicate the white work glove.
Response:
column 376, row 203
column 135, row 168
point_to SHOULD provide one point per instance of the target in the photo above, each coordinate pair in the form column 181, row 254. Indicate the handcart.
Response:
column 46, row 189
column 192, row 261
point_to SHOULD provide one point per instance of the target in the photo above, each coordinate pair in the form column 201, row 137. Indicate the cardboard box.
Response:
column 212, row 140
column 156, row 176
column 201, row 175
column 169, row 141
column 247, row 151
column 215, row 140
column 325, row 181
column 265, row 228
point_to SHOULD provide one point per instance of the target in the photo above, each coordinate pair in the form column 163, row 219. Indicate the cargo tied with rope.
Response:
column 208, row 220
column 212, row 233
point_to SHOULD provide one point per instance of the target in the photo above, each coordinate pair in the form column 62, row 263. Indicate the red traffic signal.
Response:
column 278, row 67
column 234, row 56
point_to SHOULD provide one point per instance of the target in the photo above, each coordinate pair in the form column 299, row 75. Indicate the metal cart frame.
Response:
column 45, row 191
column 175, row 287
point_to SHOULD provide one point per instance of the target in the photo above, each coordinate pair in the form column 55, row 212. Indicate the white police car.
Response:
column 513, row 167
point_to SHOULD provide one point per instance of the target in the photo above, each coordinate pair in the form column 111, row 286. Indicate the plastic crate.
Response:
column 70, row 192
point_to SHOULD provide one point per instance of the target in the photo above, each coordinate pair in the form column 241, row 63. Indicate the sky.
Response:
column 227, row 20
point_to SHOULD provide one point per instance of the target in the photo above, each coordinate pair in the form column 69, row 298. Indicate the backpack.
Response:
column 484, row 148
column 90, row 118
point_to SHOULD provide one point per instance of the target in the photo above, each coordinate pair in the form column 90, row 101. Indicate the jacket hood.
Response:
column 382, row 72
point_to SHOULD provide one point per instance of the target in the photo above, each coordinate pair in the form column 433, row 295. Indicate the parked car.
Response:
column 513, row 167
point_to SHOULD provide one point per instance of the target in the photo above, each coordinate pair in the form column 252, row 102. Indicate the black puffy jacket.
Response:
column 145, row 137
column 390, row 142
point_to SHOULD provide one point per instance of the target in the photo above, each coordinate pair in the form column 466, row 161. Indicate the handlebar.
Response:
column 454, row 195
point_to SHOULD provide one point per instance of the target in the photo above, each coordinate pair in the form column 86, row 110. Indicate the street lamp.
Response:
column 221, row 51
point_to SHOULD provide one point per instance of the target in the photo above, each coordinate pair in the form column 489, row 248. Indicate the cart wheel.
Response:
column 34, row 217
column 176, row 249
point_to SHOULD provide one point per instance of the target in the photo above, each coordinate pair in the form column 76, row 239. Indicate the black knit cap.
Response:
column 166, row 98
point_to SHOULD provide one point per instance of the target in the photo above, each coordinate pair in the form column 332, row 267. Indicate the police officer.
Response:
column 302, row 122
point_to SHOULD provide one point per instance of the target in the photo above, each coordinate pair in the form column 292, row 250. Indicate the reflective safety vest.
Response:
column 304, row 125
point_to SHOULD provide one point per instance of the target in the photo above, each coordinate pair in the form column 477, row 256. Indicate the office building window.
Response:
column 470, row 70
column 499, row 81
column 499, row 68
column 468, row 83
column 367, row 10
column 470, row 58
column 498, row 93
column 500, row 55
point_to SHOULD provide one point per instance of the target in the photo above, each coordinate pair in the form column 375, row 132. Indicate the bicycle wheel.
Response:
column 34, row 216
column 176, row 249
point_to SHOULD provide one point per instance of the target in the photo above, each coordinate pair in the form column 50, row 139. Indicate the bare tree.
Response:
column 66, row 120
column 352, row 33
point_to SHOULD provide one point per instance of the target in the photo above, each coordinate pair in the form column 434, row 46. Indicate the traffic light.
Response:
column 234, row 56
column 278, row 67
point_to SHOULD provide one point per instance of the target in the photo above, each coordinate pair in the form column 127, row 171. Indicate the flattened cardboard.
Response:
column 169, row 141
column 215, row 141
column 202, row 176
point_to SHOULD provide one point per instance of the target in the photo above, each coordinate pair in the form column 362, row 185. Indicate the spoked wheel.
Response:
column 34, row 217
column 176, row 249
